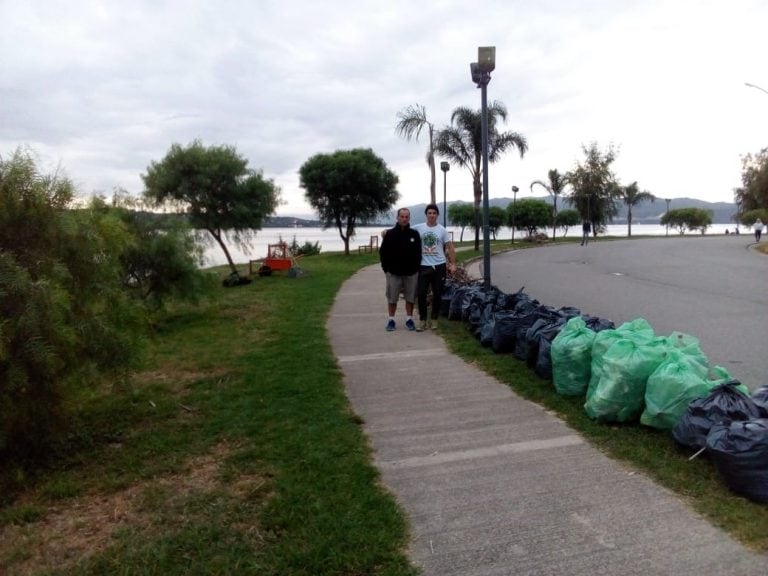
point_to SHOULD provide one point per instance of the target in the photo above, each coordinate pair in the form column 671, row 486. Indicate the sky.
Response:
column 100, row 89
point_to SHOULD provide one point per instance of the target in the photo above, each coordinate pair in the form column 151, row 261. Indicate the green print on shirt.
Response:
column 429, row 243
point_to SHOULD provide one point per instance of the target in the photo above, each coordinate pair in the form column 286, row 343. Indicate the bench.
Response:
column 372, row 246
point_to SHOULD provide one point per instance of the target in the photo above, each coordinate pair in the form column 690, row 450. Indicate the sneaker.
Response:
column 410, row 325
column 390, row 325
column 433, row 324
column 422, row 326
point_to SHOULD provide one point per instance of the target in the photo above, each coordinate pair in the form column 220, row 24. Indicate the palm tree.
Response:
column 632, row 196
column 413, row 120
column 462, row 143
column 555, row 187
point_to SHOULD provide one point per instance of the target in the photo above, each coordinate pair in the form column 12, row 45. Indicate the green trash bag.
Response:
column 636, row 329
column 719, row 375
column 571, row 353
column 620, row 393
column 675, row 383
column 691, row 348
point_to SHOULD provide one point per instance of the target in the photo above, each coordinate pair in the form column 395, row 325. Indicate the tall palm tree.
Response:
column 412, row 120
column 462, row 143
column 632, row 196
column 555, row 187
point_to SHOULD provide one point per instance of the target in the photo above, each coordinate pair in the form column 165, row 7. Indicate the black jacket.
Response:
column 400, row 251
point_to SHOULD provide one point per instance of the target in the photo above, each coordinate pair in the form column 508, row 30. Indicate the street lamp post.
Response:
column 667, row 200
column 444, row 166
column 481, row 75
column 514, row 207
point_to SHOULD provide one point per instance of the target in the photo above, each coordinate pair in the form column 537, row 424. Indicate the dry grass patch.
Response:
column 70, row 532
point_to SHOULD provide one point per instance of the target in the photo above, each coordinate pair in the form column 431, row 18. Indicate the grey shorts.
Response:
column 405, row 284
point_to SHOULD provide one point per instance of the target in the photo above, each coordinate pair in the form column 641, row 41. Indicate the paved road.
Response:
column 714, row 288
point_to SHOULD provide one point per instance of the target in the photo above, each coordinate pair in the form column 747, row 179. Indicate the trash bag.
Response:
column 739, row 451
column 760, row 397
column 504, row 328
column 598, row 324
column 571, row 354
column 485, row 333
column 627, row 365
column 541, row 335
column 690, row 346
column 457, row 301
column 673, row 385
column 636, row 329
column 726, row 402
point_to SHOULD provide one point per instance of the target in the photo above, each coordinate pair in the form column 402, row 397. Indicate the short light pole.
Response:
column 481, row 75
column 444, row 166
column 667, row 200
column 514, row 208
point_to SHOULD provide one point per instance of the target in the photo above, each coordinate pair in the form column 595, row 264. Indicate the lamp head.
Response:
column 477, row 76
column 486, row 58
column 444, row 166
column 515, row 189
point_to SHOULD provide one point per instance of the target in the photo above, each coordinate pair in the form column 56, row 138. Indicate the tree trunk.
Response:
column 217, row 235
column 478, row 197
column 629, row 221
column 432, row 165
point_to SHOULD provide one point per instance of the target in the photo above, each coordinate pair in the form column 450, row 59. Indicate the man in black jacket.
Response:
column 400, row 256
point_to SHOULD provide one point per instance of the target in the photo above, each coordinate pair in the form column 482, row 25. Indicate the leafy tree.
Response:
column 595, row 190
column 749, row 217
column 497, row 217
column 688, row 219
column 348, row 188
column 462, row 143
column 163, row 261
column 567, row 218
column 216, row 189
column 529, row 214
column 461, row 214
column 633, row 196
column 66, row 318
column 412, row 120
column 753, row 194
column 555, row 187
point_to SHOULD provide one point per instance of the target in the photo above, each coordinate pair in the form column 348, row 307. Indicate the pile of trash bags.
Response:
column 628, row 374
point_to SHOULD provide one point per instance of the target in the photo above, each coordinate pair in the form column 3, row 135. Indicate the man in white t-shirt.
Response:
column 436, row 244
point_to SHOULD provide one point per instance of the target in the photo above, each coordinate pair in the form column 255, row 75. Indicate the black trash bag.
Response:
column 760, row 397
column 474, row 295
column 724, row 403
column 522, row 345
column 234, row 279
column 598, row 324
column 504, row 328
column 527, row 347
column 510, row 301
column 739, row 451
column 486, row 316
column 544, row 337
column 486, row 330
column 544, row 328
column 445, row 299
column 568, row 312
column 457, row 300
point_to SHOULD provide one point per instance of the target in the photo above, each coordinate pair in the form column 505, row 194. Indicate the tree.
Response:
column 688, row 219
column 567, row 218
column 753, row 194
column 555, row 187
column 216, row 189
column 529, row 214
column 497, row 217
column 462, row 143
column 595, row 190
column 412, row 120
column 66, row 318
column 348, row 188
column 463, row 215
column 632, row 196
column 163, row 260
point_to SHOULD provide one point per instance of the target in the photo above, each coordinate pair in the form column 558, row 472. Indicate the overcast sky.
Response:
column 101, row 89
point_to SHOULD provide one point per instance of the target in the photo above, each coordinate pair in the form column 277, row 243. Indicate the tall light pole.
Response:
column 514, row 207
column 667, row 200
column 481, row 75
column 444, row 166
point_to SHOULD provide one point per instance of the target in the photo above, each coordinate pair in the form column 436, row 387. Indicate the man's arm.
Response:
column 451, row 255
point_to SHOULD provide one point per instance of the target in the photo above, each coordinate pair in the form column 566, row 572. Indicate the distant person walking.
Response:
column 436, row 243
column 586, row 228
column 758, row 226
column 400, row 256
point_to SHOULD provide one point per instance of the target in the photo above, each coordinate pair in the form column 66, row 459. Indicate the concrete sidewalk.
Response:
column 492, row 483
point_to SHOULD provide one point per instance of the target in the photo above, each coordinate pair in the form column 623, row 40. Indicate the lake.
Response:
column 330, row 241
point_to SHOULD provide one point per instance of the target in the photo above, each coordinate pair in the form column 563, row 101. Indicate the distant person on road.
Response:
column 436, row 243
column 400, row 256
column 758, row 226
column 586, row 228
